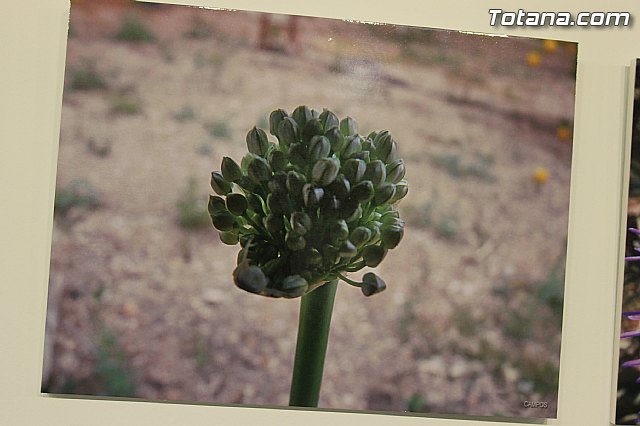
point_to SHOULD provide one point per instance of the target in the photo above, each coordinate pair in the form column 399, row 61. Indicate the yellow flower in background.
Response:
column 563, row 133
column 550, row 45
column 541, row 175
column 534, row 59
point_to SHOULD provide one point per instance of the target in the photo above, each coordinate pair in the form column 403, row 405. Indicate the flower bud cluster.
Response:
column 313, row 206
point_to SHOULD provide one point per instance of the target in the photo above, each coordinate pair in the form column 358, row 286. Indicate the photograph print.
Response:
column 269, row 210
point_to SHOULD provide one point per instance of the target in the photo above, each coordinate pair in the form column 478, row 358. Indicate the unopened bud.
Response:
column 231, row 171
column 250, row 279
column 274, row 121
column 363, row 191
column 219, row 184
column 351, row 147
column 325, row 171
column 354, row 170
column 288, row 132
column 348, row 126
column 384, row 193
column 319, row 147
column 237, row 204
column 329, row 120
column 360, row 236
column 372, row 284
column 373, row 255
column 391, row 236
column 259, row 170
column 376, row 172
column 257, row 141
column 301, row 115
column 311, row 195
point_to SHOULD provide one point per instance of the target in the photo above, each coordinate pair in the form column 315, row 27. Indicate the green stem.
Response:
column 313, row 333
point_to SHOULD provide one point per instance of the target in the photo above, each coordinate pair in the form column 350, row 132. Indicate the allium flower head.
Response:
column 310, row 206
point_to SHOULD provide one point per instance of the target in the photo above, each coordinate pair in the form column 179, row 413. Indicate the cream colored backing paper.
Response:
column 32, row 52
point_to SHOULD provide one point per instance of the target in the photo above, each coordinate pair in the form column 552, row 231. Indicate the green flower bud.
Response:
column 391, row 236
column 314, row 257
column 349, row 207
column 367, row 145
column 360, row 236
column 311, row 195
column 301, row 115
column 354, row 170
column 336, row 139
column 312, row 128
column 373, row 255
column 348, row 126
column 351, row 147
column 298, row 154
column 339, row 231
column 395, row 171
column 330, row 255
column 362, row 192
column 246, row 160
column 295, row 183
column 278, row 160
column 295, row 242
column 219, row 184
column 288, row 132
column 223, row 221
column 402, row 188
column 257, row 142
column 376, row 172
column 340, row 187
column 325, row 171
column 300, row 223
column 229, row 237
column 384, row 193
column 255, row 203
column 389, row 217
column 259, row 170
column 329, row 120
column 250, row 279
column 319, row 147
column 362, row 155
column 216, row 205
column 372, row 284
column 278, row 183
column 237, row 204
column 231, row 171
column 277, row 203
column 330, row 205
column 294, row 285
column 274, row 121
column 348, row 249
column 387, row 149
column 274, row 223
column 356, row 215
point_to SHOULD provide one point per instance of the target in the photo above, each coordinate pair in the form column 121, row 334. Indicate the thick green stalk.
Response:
column 311, row 347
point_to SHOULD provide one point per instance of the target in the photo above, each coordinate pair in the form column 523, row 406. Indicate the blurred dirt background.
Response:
column 142, row 303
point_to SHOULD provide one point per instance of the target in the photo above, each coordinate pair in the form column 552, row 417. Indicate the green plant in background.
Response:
column 192, row 211
column 86, row 77
column 134, row 30
column 78, row 194
column 219, row 129
column 111, row 367
column 184, row 114
column 307, row 211
column 125, row 104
